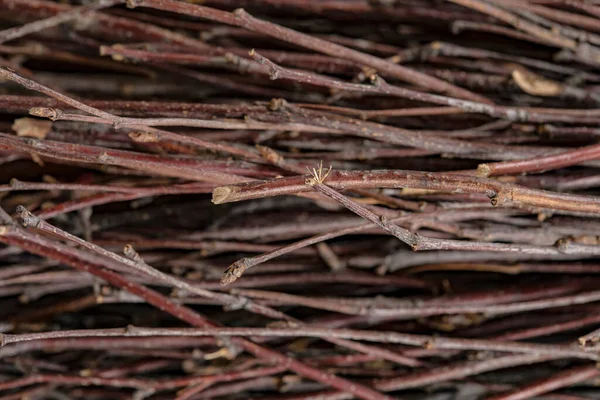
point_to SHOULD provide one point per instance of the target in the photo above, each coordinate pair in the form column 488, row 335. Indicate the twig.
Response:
column 541, row 164
column 374, row 336
column 423, row 311
column 136, row 263
column 243, row 19
column 501, row 193
column 380, row 86
column 86, row 262
column 33, row 27
column 561, row 380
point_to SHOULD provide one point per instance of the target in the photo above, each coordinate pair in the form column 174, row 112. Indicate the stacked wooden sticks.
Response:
column 299, row 199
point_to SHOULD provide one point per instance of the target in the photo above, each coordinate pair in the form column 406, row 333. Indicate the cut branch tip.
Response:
column 221, row 194
column 484, row 170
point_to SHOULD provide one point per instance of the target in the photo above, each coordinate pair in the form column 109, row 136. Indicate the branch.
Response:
column 501, row 193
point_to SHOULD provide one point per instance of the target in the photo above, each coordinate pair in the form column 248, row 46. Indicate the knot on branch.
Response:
column 229, row 350
column 240, row 13
column 45, row 112
column 501, row 197
column 414, row 241
column 104, row 158
column 274, row 70
column 239, row 303
column 28, row 219
column 494, row 199
column 577, row 244
column 117, row 123
column 270, row 155
column 133, row 255
column 276, row 104
column 242, row 64
column 133, row 3
column 457, row 27
column 15, row 183
column 234, row 271
column 563, row 244
column 588, row 341
column 131, row 330
column 376, row 80
column 144, row 137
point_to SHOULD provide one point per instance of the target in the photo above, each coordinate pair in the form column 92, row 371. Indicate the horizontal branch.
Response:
column 500, row 193
column 427, row 341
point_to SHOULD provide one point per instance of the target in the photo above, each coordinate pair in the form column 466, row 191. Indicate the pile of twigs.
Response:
column 324, row 199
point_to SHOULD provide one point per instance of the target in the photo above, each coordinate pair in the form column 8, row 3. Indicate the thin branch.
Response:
column 116, row 121
column 363, row 335
column 242, row 18
column 97, row 266
column 547, row 35
column 541, row 164
column 135, row 262
column 563, row 379
column 380, row 86
column 30, row 220
column 501, row 193
column 37, row 26
column 421, row 311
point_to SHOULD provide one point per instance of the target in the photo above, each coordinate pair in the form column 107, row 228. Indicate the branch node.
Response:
column 222, row 352
column 239, row 12
column 45, row 112
column 103, row 158
column 144, row 137
column 562, row 244
column 270, row 155
column 133, row 3
column 276, row 104
column 28, row 219
column 415, row 242
column 240, row 303
column 133, row 255
column 274, row 69
column 117, row 123
column 15, row 183
column 494, row 199
column 234, row 271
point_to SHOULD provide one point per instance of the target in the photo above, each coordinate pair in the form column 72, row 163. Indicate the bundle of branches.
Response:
column 293, row 199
